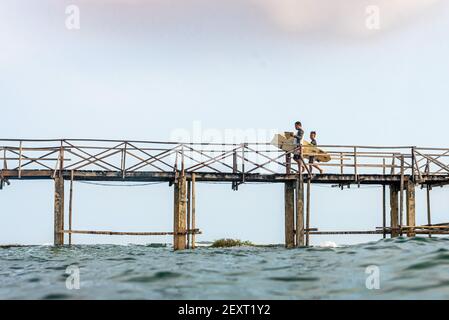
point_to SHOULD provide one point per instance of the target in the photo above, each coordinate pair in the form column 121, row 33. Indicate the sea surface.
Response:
column 400, row 268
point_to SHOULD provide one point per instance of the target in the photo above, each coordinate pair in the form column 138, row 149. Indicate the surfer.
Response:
column 298, row 142
column 312, row 159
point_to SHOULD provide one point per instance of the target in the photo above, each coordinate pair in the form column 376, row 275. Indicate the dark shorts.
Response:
column 311, row 159
column 296, row 154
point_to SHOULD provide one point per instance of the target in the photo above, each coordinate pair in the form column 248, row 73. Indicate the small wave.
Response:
column 121, row 259
column 56, row 296
column 276, row 268
column 440, row 259
column 156, row 245
column 162, row 275
column 57, row 268
column 294, row 279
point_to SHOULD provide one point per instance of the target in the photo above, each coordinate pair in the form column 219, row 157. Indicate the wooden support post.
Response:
column 289, row 214
column 189, row 204
column 401, row 194
column 411, row 216
column 59, row 211
column 394, row 212
column 384, row 203
column 300, row 211
column 180, row 201
column 384, row 210
column 308, row 213
column 193, row 209
column 429, row 220
column 70, row 206
column 288, row 163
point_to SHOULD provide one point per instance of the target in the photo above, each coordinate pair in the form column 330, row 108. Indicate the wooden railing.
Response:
column 133, row 156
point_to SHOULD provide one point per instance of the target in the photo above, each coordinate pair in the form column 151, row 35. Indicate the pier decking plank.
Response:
column 149, row 176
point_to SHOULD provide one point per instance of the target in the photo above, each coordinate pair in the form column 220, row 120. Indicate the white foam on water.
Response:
column 328, row 244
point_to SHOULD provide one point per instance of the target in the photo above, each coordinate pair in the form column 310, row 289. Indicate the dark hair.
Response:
column 298, row 123
column 313, row 132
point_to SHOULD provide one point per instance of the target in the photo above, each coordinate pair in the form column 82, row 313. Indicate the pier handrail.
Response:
column 236, row 158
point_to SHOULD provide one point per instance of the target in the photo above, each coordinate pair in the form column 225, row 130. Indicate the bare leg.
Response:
column 318, row 167
column 300, row 166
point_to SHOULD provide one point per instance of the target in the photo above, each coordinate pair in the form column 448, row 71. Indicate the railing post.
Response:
column 175, row 167
column 123, row 164
column 5, row 167
column 243, row 162
column 341, row 163
column 341, row 168
column 182, row 160
column 20, row 159
column 288, row 163
column 355, row 165
column 393, row 163
column 234, row 169
column 1, row 173
column 61, row 159
column 5, row 162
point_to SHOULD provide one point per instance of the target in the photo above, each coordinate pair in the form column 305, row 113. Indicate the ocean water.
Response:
column 416, row 268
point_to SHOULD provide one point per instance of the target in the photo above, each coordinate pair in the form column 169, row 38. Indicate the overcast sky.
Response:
column 150, row 69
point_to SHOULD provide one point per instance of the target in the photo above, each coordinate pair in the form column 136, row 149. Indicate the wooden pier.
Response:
column 398, row 170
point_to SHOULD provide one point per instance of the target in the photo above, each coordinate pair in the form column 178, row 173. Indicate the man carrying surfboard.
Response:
column 292, row 142
column 312, row 159
column 298, row 142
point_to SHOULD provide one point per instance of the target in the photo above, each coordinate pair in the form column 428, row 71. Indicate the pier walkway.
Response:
column 399, row 168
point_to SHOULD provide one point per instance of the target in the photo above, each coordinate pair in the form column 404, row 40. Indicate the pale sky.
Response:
column 146, row 69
